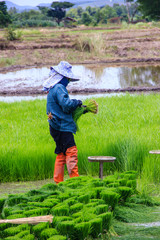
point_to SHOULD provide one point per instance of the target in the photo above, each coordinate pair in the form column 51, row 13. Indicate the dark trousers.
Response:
column 63, row 140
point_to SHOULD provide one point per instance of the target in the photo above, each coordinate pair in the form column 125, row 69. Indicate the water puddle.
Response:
column 148, row 225
column 95, row 77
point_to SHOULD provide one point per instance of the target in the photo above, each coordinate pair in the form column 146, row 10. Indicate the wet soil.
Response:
column 122, row 47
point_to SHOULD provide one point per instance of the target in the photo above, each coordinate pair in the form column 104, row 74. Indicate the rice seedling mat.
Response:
column 101, row 160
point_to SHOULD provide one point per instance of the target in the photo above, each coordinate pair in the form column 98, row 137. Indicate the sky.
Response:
column 29, row 2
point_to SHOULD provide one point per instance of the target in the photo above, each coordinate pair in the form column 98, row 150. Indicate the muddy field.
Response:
column 48, row 46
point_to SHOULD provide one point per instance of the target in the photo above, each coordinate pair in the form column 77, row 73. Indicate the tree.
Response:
column 86, row 18
column 150, row 8
column 58, row 10
column 5, row 18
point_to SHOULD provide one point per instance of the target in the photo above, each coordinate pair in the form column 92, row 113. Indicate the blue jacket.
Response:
column 61, row 108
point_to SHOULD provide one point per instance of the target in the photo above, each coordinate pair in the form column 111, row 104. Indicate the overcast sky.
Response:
column 29, row 2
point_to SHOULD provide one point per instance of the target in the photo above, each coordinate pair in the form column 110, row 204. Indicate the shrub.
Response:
column 47, row 233
column 81, row 230
column 95, row 227
column 110, row 197
column 101, row 209
column 11, row 35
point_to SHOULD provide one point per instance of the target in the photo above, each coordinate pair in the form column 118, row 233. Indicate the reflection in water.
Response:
column 91, row 76
column 140, row 76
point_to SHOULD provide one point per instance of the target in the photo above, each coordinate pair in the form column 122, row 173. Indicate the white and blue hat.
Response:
column 63, row 69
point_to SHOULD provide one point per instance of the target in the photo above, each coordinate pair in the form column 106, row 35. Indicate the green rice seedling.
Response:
column 109, row 179
column 23, row 233
column 98, row 191
column 76, row 208
column 125, row 192
column 103, row 208
column 106, row 220
column 132, row 184
column 113, row 185
column 84, row 198
column 97, row 182
column 88, row 214
column 71, row 201
column 67, row 228
column 14, row 216
column 97, row 201
column 12, row 238
column 64, row 196
column 130, row 176
column 92, row 107
column 36, row 211
column 11, row 231
column 58, row 219
column 49, row 187
column 95, row 227
column 47, row 233
column 4, row 226
column 82, row 230
column 16, row 199
column 122, row 181
column 57, row 237
column 29, row 237
column 37, row 229
column 62, row 210
column 2, row 201
column 111, row 198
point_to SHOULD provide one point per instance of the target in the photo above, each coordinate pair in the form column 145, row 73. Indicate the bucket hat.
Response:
column 63, row 69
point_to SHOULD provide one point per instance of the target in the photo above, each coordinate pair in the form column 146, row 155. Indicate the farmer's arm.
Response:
column 68, row 105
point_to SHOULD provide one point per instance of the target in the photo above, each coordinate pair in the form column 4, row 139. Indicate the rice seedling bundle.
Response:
column 92, row 107
column 77, row 214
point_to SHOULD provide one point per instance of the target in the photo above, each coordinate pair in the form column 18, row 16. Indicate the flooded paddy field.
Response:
column 94, row 79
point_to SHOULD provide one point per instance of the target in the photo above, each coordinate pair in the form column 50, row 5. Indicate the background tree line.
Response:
column 54, row 16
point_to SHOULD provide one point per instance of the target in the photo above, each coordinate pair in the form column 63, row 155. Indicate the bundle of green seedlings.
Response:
column 86, row 212
column 92, row 107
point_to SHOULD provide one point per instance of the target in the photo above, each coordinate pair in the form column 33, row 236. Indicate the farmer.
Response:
column 61, row 124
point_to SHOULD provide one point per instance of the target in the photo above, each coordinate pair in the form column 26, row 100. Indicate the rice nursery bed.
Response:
column 82, row 208
column 126, row 127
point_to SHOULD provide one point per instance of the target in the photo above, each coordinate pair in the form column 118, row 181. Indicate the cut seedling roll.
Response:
column 79, row 111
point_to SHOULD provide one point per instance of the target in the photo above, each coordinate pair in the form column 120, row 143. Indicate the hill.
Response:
column 81, row 3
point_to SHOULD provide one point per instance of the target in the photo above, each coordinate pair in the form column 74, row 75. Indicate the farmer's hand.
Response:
column 79, row 103
column 85, row 111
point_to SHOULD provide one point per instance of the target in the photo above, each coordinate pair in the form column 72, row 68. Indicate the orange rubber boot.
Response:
column 71, row 161
column 59, row 168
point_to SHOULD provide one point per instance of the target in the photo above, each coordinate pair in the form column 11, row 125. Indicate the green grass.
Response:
column 126, row 127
